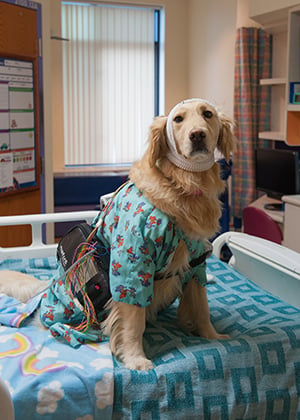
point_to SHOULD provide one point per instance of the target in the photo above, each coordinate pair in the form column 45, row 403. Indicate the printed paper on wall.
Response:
column 17, row 125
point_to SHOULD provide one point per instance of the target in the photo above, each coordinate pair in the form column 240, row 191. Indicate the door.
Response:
column 20, row 168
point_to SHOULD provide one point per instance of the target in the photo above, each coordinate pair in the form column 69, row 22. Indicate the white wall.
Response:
column 242, row 16
column 56, row 80
column 176, row 65
column 199, row 57
column 47, row 102
column 199, row 60
column 212, row 27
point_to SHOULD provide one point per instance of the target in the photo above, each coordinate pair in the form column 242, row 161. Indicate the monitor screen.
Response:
column 277, row 172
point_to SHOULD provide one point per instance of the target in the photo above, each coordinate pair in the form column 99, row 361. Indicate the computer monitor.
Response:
column 277, row 172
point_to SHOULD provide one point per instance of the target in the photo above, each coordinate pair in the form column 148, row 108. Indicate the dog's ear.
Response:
column 226, row 141
column 157, row 140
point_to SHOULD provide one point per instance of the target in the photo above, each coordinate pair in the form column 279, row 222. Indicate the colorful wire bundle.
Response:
column 76, row 279
column 76, row 276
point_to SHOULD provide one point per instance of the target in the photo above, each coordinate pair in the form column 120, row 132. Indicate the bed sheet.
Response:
column 253, row 375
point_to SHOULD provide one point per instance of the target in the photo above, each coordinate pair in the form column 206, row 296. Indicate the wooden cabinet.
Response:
column 293, row 99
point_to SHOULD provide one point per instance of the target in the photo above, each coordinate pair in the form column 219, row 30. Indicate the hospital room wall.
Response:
column 211, row 51
column 47, row 102
column 191, row 56
column 175, row 67
column 212, row 48
column 199, row 61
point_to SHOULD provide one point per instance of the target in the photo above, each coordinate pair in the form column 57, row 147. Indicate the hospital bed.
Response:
column 255, row 298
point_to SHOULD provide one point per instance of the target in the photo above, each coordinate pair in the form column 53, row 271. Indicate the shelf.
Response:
column 273, row 81
column 284, row 116
column 272, row 135
column 293, row 107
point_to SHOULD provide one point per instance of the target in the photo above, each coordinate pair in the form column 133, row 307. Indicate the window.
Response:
column 110, row 81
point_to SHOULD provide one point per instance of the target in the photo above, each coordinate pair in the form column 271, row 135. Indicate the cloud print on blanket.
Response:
column 40, row 356
column 45, row 380
column 48, row 398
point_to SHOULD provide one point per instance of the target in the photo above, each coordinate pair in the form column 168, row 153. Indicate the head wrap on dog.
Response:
column 203, row 163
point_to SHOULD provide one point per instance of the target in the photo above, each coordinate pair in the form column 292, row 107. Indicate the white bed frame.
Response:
column 269, row 265
column 273, row 267
column 38, row 248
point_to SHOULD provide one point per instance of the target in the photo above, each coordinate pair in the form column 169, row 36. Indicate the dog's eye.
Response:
column 178, row 119
column 207, row 114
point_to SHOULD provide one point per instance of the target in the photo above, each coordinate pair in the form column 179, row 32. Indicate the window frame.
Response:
column 158, row 22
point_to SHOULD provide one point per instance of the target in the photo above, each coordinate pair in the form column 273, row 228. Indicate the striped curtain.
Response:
column 108, row 82
column 253, row 61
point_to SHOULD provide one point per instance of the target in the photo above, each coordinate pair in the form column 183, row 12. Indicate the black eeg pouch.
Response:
column 96, row 267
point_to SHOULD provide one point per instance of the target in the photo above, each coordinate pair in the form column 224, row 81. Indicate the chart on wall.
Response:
column 17, row 125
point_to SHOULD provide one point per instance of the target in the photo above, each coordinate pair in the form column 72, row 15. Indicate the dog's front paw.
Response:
column 209, row 332
column 223, row 337
column 213, row 335
column 138, row 363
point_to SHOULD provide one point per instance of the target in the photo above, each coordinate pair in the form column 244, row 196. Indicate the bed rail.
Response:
column 273, row 267
column 38, row 248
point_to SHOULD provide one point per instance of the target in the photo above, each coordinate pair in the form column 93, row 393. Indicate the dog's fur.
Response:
column 175, row 192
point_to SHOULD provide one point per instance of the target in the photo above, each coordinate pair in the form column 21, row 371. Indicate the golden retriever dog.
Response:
column 173, row 197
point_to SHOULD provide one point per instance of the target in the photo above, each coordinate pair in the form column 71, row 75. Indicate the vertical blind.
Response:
column 108, row 82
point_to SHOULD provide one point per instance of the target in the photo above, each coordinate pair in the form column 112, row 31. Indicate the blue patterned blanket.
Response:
column 47, row 378
column 253, row 375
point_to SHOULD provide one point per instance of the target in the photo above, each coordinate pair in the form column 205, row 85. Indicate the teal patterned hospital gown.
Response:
column 141, row 241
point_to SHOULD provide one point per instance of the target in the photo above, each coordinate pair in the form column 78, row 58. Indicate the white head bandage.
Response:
column 203, row 163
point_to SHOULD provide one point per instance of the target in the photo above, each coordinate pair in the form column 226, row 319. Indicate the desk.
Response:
column 291, row 232
column 277, row 216
column 288, row 220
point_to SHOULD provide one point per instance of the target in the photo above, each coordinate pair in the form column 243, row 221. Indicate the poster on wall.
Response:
column 17, row 125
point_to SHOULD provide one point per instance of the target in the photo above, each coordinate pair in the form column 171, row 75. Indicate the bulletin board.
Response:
column 18, row 168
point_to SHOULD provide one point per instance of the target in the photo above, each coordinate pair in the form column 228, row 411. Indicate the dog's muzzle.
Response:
column 198, row 140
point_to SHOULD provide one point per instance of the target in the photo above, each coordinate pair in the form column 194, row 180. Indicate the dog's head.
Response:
column 190, row 135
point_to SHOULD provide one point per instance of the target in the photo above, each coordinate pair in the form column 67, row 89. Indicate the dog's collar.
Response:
column 177, row 159
column 197, row 193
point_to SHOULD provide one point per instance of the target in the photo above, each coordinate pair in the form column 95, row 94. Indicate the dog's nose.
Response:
column 197, row 135
column 197, row 139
